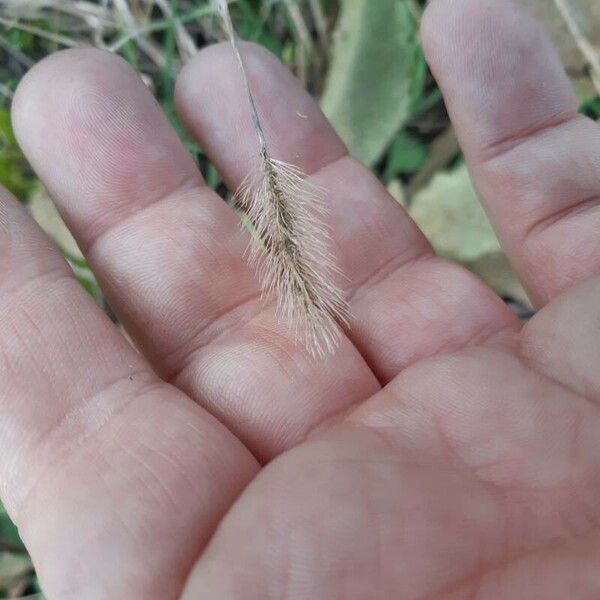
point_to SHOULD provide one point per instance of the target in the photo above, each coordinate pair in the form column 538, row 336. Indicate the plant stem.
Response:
column 590, row 53
column 223, row 9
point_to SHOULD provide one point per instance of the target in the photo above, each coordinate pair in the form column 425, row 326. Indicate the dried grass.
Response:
column 110, row 24
column 293, row 257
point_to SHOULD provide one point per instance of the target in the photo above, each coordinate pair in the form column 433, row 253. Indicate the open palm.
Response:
column 443, row 453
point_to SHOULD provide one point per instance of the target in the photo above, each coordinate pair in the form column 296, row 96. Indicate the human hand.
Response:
column 444, row 452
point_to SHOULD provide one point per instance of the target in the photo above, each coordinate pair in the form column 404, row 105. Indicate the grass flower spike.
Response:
column 292, row 250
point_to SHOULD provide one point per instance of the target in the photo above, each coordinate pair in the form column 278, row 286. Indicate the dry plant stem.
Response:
column 6, row 91
column 303, row 39
column 443, row 149
column 153, row 52
column 91, row 13
column 11, row 548
column 223, row 10
column 100, row 21
column 16, row 53
column 591, row 54
column 293, row 259
column 185, row 43
column 320, row 21
column 53, row 37
column 97, row 18
column 299, row 24
column 87, row 11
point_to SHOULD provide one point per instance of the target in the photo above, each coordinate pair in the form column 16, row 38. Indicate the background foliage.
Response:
column 363, row 58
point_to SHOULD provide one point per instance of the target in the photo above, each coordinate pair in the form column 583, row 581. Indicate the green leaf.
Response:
column 369, row 89
column 8, row 531
column 14, row 172
column 251, row 27
column 406, row 156
column 449, row 213
column 592, row 108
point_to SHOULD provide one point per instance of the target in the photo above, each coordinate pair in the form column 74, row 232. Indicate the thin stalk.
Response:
column 591, row 54
column 226, row 16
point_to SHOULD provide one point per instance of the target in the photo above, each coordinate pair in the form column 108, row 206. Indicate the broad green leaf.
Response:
column 369, row 89
column 449, row 213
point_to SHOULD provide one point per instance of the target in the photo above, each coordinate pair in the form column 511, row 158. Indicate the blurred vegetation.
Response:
column 363, row 58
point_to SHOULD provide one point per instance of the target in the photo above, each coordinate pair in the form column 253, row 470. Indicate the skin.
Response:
column 444, row 452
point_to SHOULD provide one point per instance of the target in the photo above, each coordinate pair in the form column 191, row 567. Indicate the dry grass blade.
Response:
column 591, row 54
column 320, row 21
column 54, row 37
column 293, row 257
column 185, row 43
column 303, row 38
column 16, row 53
column 6, row 91
column 149, row 47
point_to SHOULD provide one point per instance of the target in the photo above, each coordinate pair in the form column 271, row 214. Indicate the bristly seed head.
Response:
column 293, row 256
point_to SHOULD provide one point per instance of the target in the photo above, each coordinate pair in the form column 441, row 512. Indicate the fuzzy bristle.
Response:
column 292, row 252
column 293, row 257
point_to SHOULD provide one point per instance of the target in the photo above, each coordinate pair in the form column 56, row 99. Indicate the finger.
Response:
column 129, row 190
column 534, row 161
column 406, row 303
column 115, row 479
column 169, row 253
column 562, row 340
